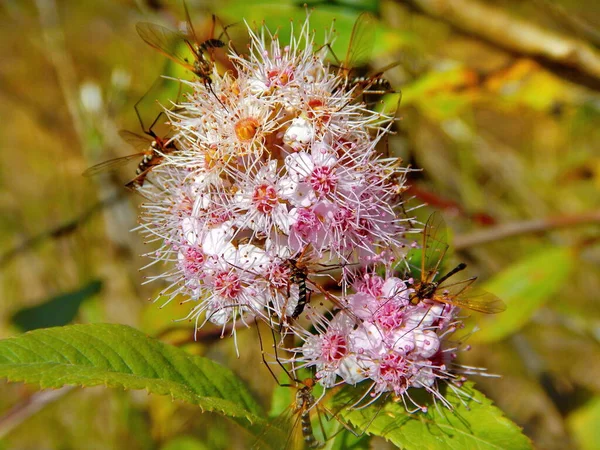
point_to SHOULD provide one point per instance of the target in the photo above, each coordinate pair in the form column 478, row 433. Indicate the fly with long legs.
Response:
column 153, row 150
column 460, row 294
column 293, row 428
column 296, row 425
column 299, row 271
column 299, row 276
column 359, row 50
column 170, row 44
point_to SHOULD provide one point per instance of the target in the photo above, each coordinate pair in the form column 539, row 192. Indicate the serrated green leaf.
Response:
column 57, row 311
column 473, row 424
column 348, row 441
column 120, row 356
column 525, row 287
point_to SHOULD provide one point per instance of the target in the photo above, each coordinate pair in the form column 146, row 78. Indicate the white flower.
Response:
column 299, row 134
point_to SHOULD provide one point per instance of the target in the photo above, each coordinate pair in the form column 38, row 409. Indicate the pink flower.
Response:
column 277, row 187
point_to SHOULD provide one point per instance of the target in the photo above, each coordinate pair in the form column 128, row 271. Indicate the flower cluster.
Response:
column 277, row 185
column 383, row 337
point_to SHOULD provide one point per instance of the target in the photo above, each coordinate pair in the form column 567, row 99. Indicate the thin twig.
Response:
column 508, row 31
column 507, row 230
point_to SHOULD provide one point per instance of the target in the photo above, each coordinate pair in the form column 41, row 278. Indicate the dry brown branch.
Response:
column 508, row 31
column 516, row 228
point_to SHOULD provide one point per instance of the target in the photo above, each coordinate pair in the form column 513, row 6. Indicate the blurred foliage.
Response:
column 500, row 137
column 57, row 311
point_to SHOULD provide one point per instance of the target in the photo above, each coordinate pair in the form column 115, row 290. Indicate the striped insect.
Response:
column 152, row 149
column 298, row 276
column 299, row 268
column 304, row 404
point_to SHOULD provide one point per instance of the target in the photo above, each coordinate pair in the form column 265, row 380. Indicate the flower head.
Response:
column 276, row 181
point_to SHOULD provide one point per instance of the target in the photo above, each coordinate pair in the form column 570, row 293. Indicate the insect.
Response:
column 153, row 150
column 300, row 268
column 293, row 427
column 461, row 294
column 169, row 42
column 284, row 428
column 360, row 45
column 359, row 50
column 305, row 401
column 298, row 276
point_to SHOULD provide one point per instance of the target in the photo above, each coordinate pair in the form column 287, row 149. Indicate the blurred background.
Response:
column 500, row 110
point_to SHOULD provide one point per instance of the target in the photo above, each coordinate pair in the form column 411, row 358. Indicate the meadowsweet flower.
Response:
column 284, row 164
column 381, row 339
column 276, row 178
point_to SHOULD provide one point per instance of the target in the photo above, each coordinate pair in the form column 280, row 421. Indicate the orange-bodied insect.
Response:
column 153, row 150
column 460, row 294
column 169, row 43
column 358, row 53
column 303, row 404
column 293, row 428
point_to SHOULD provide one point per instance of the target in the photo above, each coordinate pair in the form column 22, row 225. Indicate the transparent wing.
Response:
column 283, row 432
column 379, row 72
column 191, row 33
column 361, row 41
column 334, row 300
column 137, row 141
column 354, row 402
column 465, row 295
column 475, row 299
column 111, row 164
column 167, row 42
column 435, row 246
column 304, row 256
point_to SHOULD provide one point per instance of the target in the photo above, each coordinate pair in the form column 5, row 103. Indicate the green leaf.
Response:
column 474, row 423
column 348, row 441
column 120, row 356
column 525, row 287
column 57, row 311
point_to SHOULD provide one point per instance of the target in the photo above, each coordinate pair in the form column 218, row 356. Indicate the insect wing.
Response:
column 464, row 295
column 167, row 42
column 283, row 432
column 208, row 45
column 137, row 141
column 191, row 33
column 361, row 41
column 435, row 246
column 111, row 164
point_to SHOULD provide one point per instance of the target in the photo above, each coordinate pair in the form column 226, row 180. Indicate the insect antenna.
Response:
column 460, row 267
